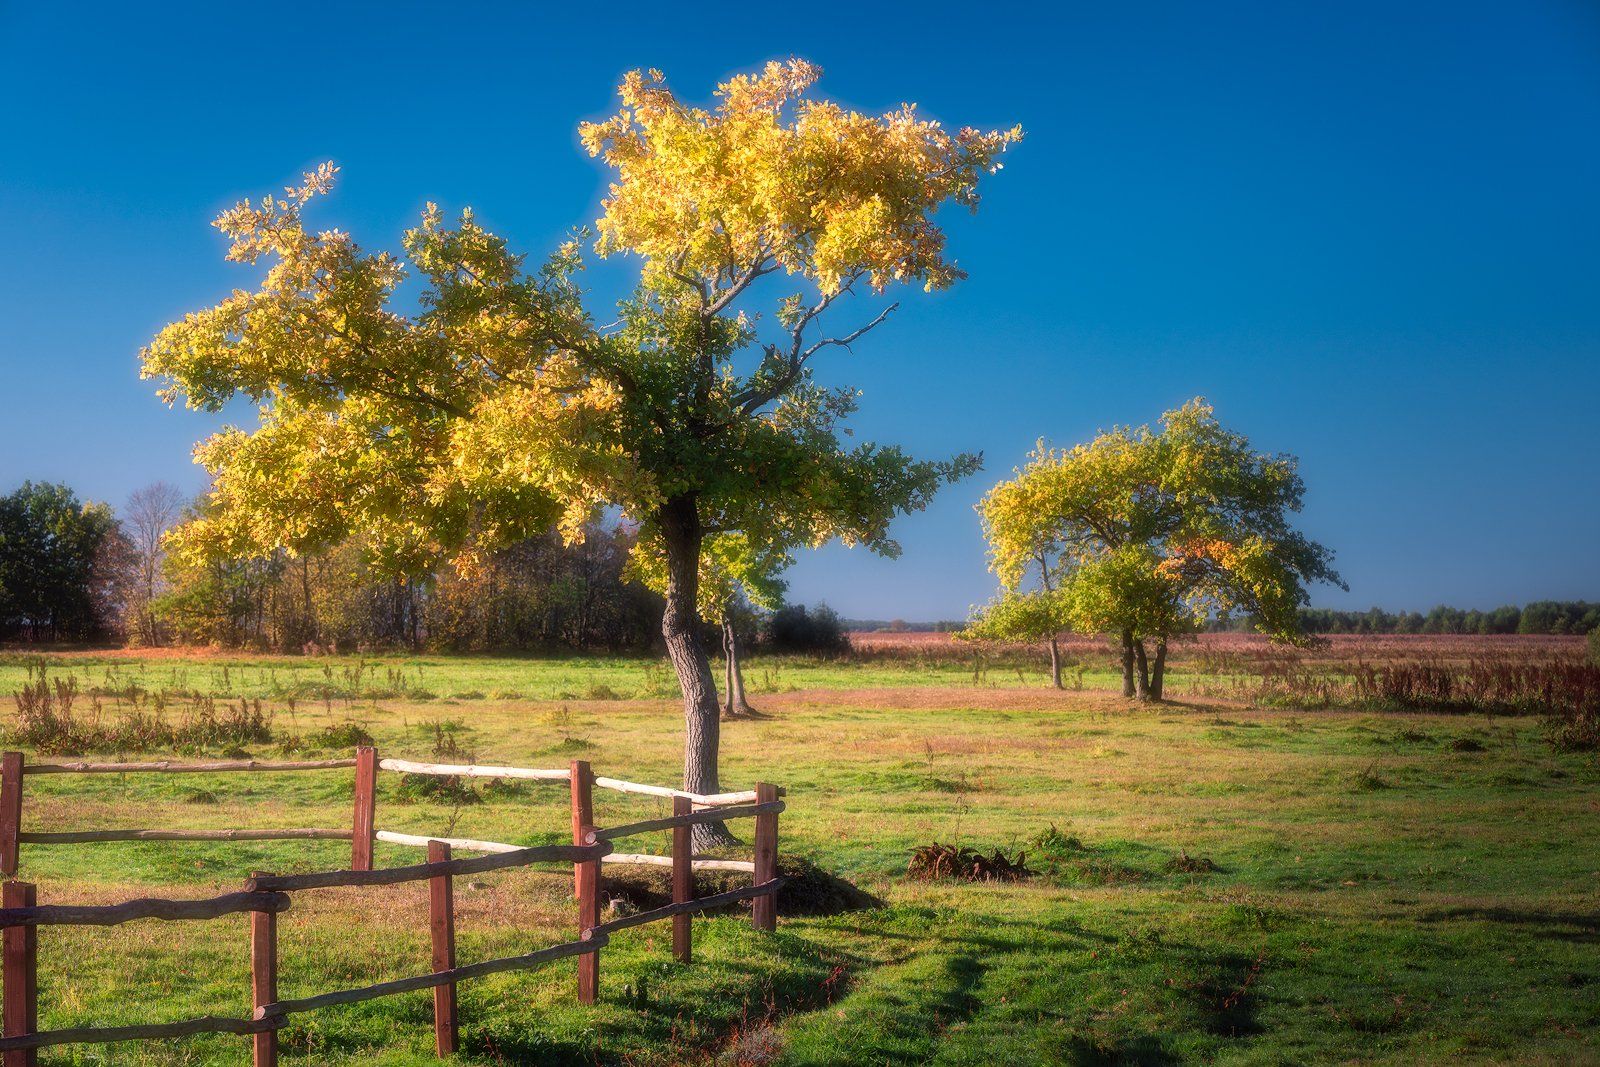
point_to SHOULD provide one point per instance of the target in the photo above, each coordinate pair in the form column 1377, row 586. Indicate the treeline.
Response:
column 1538, row 617
column 537, row 595
column 901, row 626
column 72, row 571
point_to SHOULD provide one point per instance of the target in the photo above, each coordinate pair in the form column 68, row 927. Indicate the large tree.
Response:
column 1147, row 535
column 63, row 565
column 496, row 405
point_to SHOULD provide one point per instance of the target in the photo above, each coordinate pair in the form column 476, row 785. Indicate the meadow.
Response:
column 1213, row 880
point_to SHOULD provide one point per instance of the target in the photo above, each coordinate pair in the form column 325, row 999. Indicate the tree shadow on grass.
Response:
column 1143, row 1050
column 1571, row 926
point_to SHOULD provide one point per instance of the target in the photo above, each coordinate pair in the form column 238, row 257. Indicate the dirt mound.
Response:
column 936, row 862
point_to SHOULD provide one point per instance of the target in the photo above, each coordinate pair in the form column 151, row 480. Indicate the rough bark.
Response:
column 1142, row 675
column 1158, row 669
column 1055, row 662
column 1127, row 663
column 679, row 523
column 737, row 706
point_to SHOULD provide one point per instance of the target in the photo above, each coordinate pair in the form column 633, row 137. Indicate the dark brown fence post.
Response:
column 682, row 880
column 442, row 925
column 585, row 879
column 10, row 811
column 21, row 962
column 361, row 827
column 588, row 919
column 264, row 980
column 764, row 909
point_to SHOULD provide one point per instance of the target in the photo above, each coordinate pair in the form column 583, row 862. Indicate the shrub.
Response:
column 51, row 719
column 341, row 735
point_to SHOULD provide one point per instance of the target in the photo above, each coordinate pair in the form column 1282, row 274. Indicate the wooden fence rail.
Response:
column 265, row 895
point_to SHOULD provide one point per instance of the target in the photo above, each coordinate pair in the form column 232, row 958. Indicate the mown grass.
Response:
column 1378, row 895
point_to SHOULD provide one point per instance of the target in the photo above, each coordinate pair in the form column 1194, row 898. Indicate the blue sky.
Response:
column 1368, row 233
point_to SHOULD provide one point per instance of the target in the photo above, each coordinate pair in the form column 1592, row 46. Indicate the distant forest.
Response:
column 1538, row 617
column 75, row 571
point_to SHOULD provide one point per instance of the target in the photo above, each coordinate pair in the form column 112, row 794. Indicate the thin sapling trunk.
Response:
column 738, row 706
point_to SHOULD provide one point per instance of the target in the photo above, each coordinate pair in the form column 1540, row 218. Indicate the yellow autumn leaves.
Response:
column 1149, row 534
column 824, row 192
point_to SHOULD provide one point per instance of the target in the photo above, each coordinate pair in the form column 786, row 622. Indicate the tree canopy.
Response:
column 496, row 405
column 1149, row 535
column 62, row 561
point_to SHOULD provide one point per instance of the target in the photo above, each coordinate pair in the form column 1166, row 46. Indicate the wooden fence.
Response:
column 265, row 895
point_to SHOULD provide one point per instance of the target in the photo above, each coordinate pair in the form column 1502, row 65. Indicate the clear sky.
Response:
column 1369, row 233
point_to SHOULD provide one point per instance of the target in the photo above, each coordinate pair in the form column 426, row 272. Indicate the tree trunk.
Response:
column 1158, row 670
column 1055, row 662
column 1127, row 663
column 679, row 522
column 737, row 707
column 1142, row 676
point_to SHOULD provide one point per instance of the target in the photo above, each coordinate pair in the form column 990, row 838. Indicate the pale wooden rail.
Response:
column 472, row 770
column 709, row 800
column 614, row 858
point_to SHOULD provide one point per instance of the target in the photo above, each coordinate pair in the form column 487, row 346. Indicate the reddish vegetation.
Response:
column 1249, row 649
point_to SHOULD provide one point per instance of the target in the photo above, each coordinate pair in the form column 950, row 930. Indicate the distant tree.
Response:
column 149, row 514
column 490, row 404
column 63, row 565
column 1160, row 531
column 737, row 574
column 794, row 628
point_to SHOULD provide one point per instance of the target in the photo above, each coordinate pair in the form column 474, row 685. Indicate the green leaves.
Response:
column 1154, row 532
column 492, row 405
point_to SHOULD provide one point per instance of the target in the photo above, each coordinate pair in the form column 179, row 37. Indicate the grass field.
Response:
column 1386, row 888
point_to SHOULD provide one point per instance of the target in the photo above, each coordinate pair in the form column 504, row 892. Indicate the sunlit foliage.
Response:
column 1150, row 535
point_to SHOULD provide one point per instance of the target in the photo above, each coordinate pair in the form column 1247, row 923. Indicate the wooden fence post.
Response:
column 764, row 909
column 10, row 811
column 264, row 980
column 442, row 925
column 682, row 879
column 585, row 879
column 582, row 814
column 21, row 965
column 361, row 827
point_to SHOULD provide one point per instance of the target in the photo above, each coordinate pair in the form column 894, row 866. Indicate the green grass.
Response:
column 1378, row 897
column 471, row 678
